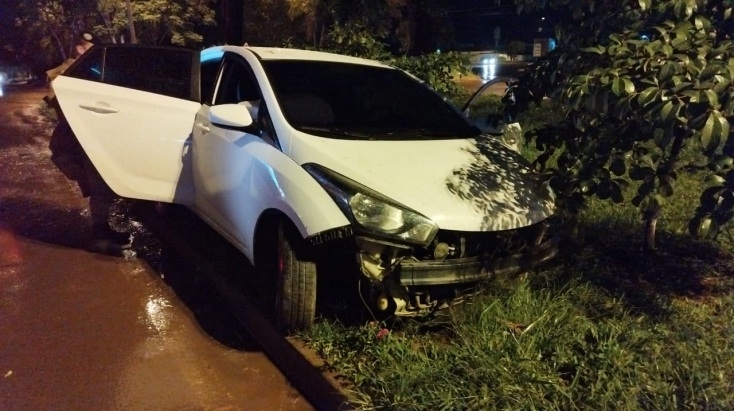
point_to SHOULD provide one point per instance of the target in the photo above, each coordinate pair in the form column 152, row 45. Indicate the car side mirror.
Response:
column 510, row 134
column 234, row 116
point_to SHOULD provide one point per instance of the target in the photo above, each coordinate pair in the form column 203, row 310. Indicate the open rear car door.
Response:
column 132, row 109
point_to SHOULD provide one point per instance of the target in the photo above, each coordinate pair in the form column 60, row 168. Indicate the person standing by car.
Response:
column 70, row 158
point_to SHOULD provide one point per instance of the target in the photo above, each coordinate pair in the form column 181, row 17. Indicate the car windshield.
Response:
column 352, row 101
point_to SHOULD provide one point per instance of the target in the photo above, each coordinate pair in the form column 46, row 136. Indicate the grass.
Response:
column 565, row 338
column 605, row 326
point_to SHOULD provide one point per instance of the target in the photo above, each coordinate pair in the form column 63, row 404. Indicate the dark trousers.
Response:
column 69, row 156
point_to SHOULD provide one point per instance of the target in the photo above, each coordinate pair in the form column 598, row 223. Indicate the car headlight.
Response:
column 371, row 211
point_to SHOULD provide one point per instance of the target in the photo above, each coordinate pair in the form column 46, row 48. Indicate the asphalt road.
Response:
column 82, row 331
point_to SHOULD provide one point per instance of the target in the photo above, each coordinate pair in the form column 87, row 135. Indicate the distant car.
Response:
column 15, row 75
column 301, row 157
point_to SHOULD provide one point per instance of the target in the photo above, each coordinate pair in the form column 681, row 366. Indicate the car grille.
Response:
column 450, row 244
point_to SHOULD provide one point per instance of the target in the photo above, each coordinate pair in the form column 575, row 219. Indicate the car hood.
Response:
column 475, row 184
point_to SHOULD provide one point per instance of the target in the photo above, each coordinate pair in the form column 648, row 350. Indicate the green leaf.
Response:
column 668, row 111
column 715, row 180
column 637, row 200
column 594, row 49
column 618, row 166
column 712, row 98
column 695, row 96
column 667, row 49
column 661, row 138
column 629, row 86
column 639, row 173
column 703, row 227
column 709, row 72
column 699, row 22
column 645, row 189
column 714, row 131
column 617, row 195
column 617, row 86
column 667, row 71
column 647, row 95
column 665, row 189
column 682, row 58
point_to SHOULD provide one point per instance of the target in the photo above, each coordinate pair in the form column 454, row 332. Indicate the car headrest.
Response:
column 307, row 110
column 252, row 106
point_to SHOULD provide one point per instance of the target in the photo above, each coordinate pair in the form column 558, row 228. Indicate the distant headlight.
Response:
column 3, row 77
column 372, row 212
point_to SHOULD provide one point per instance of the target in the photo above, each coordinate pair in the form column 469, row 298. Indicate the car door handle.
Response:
column 99, row 110
column 203, row 127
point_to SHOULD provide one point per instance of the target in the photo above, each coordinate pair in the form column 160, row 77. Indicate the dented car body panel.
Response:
column 345, row 149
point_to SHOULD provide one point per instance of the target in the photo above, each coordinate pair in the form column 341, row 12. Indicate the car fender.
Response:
column 264, row 179
column 286, row 187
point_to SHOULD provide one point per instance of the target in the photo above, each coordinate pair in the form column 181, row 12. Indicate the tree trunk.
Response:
column 130, row 23
column 108, row 25
column 59, row 44
column 651, row 222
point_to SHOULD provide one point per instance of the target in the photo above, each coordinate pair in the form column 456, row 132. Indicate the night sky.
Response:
column 475, row 22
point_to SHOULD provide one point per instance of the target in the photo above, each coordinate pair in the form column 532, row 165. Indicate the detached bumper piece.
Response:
column 472, row 269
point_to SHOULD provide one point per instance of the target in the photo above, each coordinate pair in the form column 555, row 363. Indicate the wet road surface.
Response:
column 82, row 331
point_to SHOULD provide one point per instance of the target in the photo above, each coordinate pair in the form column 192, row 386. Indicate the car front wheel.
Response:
column 295, row 299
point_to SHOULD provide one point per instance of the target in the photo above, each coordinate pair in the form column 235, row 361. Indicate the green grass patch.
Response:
column 606, row 325
column 583, row 334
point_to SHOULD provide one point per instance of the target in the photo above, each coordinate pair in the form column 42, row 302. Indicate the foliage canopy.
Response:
column 55, row 26
column 648, row 92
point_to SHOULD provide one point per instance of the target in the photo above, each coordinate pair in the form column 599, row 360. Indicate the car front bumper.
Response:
column 465, row 270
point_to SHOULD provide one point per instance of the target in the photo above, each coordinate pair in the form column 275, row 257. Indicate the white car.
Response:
column 298, row 157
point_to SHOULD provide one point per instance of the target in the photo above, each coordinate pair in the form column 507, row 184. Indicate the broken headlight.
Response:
column 371, row 211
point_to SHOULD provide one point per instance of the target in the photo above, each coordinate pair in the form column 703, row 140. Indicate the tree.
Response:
column 130, row 21
column 54, row 26
column 406, row 26
column 267, row 23
column 643, row 83
column 51, row 28
column 315, row 16
column 154, row 21
column 514, row 48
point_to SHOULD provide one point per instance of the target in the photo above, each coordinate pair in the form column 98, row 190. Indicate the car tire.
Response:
column 295, row 294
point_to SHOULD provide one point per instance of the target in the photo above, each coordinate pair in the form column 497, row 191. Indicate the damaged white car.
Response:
column 295, row 155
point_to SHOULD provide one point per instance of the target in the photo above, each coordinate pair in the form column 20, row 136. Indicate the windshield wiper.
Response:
column 424, row 132
column 337, row 131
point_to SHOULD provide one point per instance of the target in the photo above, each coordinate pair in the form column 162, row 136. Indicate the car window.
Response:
column 207, row 79
column 344, row 100
column 89, row 66
column 237, row 84
column 156, row 70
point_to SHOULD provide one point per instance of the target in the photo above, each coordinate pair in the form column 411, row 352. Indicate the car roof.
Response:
column 279, row 53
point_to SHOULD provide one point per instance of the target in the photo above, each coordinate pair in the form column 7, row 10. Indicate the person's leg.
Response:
column 101, row 201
